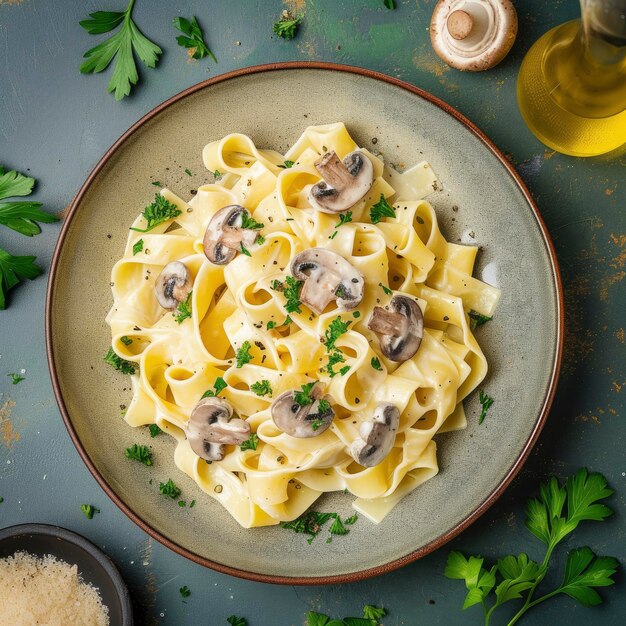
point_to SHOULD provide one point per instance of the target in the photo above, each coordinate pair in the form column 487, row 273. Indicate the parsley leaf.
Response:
column 387, row 291
column 157, row 212
column 233, row 620
column 335, row 329
column 127, row 42
column 261, row 388
column 390, row 4
column 22, row 217
column 486, row 401
column 380, row 210
column 154, row 430
column 12, row 270
column 219, row 385
column 169, row 489
column 316, row 619
column 244, row 250
column 323, row 406
column 287, row 27
column 184, row 591
column 476, row 319
column 583, row 571
column 139, row 453
column 120, row 364
column 250, row 443
column 183, row 310
column 291, row 290
column 249, row 223
column 192, row 39
column 89, row 510
column 309, row 523
column 303, row 398
column 349, row 521
column 287, row 165
column 373, row 612
column 243, row 355
column 375, row 363
column 16, row 378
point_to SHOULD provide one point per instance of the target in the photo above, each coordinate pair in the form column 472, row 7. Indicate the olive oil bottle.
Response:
column 571, row 88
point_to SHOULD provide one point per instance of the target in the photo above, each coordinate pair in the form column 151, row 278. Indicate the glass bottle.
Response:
column 571, row 89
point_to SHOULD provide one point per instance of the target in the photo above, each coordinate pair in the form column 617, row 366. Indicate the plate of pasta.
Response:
column 307, row 320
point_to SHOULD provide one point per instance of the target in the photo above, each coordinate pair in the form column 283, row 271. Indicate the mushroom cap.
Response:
column 328, row 276
column 210, row 427
column 224, row 235
column 345, row 182
column 376, row 436
column 471, row 35
column 404, row 339
column 298, row 421
column 173, row 285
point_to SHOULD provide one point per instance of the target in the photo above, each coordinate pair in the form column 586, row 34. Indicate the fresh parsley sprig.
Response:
column 251, row 443
column 16, row 379
column 143, row 454
column 287, row 27
column 219, row 386
column 22, row 217
column 551, row 517
column 169, row 489
column 183, row 310
column 261, row 388
column 192, row 38
column 380, row 210
column 157, row 212
column 127, row 42
column 485, row 401
column 243, row 355
column 291, row 290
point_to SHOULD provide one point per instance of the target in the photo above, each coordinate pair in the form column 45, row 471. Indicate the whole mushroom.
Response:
column 345, row 182
column 303, row 421
column 173, row 285
column 327, row 276
column 400, row 328
column 377, row 436
column 473, row 35
column 225, row 234
column 210, row 428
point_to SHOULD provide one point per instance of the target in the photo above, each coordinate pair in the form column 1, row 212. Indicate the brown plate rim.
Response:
column 432, row 545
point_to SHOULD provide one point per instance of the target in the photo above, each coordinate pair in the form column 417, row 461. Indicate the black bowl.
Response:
column 94, row 566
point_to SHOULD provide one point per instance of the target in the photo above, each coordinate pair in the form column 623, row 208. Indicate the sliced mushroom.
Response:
column 328, row 276
column 210, row 427
column 224, row 235
column 173, row 285
column 345, row 182
column 376, row 436
column 400, row 329
column 303, row 421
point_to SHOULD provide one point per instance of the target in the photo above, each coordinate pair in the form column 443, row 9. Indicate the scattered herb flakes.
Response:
column 219, row 386
column 486, row 401
column 344, row 218
column 287, row 27
column 154, row 430
column 139, row 453
column 12, row 270
column 157, row 212
column 183, row 310
column 351, row 520
column 125, row 44
column 192, row 504
column 261, row 388
column 126, row 340
column 380, row 210
column 243, row 355
column 375, row 363
column 120, row 364
column 182, row 504
column 157, row 183
column 250, row 443
column 188, row 172
column 89, row 510
column 387, row 291
column 16, row 378
column 356, row 314
column 233, row 620
column 138, row 247
column 192, row 38
column 311, row 523
column 476, row 319
column 184, row 592
column 169, row 489
column 287, row 165
column 217, row 174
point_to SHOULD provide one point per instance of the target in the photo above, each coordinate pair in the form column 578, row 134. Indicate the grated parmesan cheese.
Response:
column 47, row 591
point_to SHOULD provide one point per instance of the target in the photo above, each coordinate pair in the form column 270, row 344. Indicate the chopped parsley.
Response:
column 183, row 310
column 126, row 340
column 260, row 240
column 16, row 378
column 233, row 620
column 356, row 314
column 182, row 504
column 120, row 364
column 192, row 38
column 157, row 183
column 219, row 386
column 323, row 406
column 244, row 250
column 249, row 223
column 139, row 453
column 217, row 174
column 486, row 401
column 375, row 363
column 271, row 324
column 89, row 510
column 335, row 356
column 287, row 165
column 243, row 355
column 169, row 489
column 192, row 504
column 385, row 289
column 317, row 423
column 381, row 209
column 261, row 388
column 304, row 398
column 184, row 591
column 312, row 523
column 344, row 218
column 157, row 212
column 188, row 172
column 138, row 247
column 351, row 520
column 335, row 329
column 291, row 290
column 390, row 4
column 476, row 319
column 250, row 443
column 287, row 27
column 154, row 430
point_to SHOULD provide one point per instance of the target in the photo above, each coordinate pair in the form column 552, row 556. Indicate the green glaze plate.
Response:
column 273, row 104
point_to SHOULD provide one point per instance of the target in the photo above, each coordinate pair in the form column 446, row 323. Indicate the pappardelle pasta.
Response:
column 300, row 326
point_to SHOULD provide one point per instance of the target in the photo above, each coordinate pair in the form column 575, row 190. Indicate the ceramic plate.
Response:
column 273, row 104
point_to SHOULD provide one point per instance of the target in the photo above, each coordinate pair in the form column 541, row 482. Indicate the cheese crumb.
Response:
column 45, row 590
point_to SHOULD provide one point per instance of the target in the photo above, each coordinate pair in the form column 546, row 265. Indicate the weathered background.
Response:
column 56, row 123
